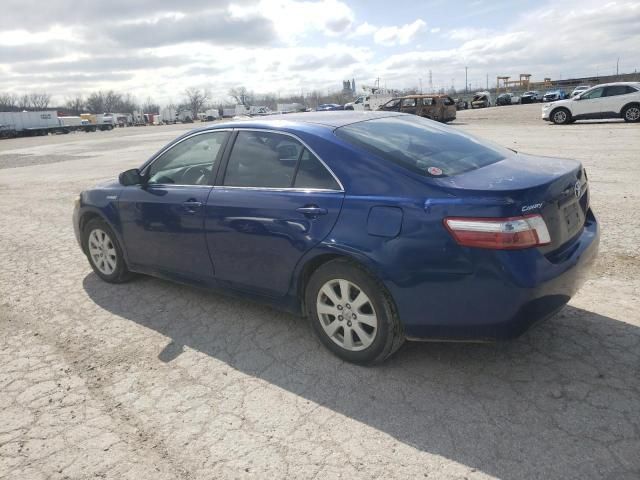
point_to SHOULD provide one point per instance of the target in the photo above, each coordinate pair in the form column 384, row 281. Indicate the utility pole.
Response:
column 617, row 65
column 487, row 81
column 466, row 81
column 430, row 82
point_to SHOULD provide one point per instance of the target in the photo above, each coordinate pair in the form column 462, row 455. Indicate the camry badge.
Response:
column 577, row 189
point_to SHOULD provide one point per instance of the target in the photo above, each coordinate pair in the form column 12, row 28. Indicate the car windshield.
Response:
column 422, row 146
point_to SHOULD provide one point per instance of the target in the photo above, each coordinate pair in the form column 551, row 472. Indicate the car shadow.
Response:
column 551, row 404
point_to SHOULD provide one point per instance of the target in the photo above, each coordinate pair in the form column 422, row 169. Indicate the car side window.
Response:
column 427, row 101
column 595, row 93
column 409, row 102
column 392, row 103
column 448, row 101
column 262, row 159
column 616, row 90
column 313, row 174
column 189, row 162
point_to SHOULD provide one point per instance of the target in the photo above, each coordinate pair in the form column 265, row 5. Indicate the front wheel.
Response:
column 352, row 313
column 561, row 116
column 104, row 253
column 631, row 113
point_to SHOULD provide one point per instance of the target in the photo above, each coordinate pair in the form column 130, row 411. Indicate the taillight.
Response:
column 499, row 233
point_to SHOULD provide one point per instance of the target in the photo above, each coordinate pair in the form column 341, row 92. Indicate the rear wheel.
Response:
column 104, row 253
column 561, row 116
column 631, row 113
column 352, row 313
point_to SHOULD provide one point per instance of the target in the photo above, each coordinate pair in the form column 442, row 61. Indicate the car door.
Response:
column 163, row 219
column 590, row 104
column 409, row 105
column 274, row 201
column 616, row 97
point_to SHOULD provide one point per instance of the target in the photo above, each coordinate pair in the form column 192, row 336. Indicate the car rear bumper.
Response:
column 503, row 297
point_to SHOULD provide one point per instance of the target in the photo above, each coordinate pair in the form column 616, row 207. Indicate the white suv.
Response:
column 609, row 100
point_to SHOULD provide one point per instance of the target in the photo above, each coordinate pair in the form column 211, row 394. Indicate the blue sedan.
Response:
column 377, row 226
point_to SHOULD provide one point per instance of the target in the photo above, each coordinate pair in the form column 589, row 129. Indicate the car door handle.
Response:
column 312, row 210
column 191, row 204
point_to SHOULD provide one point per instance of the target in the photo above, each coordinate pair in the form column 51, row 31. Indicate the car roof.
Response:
column 634, row 84
column 424, row 95
column 332, row 119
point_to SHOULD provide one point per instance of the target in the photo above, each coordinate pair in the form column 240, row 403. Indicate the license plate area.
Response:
column 573, row 217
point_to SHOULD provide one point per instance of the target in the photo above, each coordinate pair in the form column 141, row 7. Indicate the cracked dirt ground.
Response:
column 152, row 380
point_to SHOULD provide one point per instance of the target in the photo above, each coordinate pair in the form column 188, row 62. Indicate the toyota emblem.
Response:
column 577, row 189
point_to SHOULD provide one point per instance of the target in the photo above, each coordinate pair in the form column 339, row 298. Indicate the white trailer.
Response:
column 228, row 112
column 168, row 115
column 211, row 114
column 184, row 116
column 290, row 107
column 13, row 124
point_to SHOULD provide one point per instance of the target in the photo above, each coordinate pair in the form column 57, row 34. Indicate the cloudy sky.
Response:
column 160, row 47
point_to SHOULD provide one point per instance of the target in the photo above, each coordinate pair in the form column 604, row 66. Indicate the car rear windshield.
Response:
column 422, row 145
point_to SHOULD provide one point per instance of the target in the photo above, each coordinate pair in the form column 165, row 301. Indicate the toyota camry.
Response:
column 376, row 226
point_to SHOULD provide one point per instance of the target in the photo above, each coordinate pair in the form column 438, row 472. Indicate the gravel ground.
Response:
column 160, row 381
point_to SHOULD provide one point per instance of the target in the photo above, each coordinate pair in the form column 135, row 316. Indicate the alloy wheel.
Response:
column 560, row 116
column 102, row 251
column 347, row 315
column 633, row 114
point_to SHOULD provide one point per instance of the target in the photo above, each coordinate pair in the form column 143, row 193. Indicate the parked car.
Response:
column 436, row 107
column 532, row 96
column 507, row 99
column 327, row 107
column 377, row 226
column 461, row 103
column 351, row 105
column 579, row 89
column 481, row 100
column 609, row 100
column 553, row 95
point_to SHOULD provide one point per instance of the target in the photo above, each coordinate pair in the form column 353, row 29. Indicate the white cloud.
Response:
column 363, row 30
column 294, row 20
column 391, row 36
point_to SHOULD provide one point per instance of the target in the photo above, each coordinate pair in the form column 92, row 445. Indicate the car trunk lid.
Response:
column 554, row 188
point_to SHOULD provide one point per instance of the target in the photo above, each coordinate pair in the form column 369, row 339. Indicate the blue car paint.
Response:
column 441, row 290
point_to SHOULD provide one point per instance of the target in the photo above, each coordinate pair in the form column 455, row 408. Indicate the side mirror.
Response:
column 130, row 177
column 577, row 97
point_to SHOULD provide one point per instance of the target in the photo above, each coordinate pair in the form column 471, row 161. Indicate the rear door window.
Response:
column 615, row 90
column 262, row 159
column 418, row 145
column 313, row 174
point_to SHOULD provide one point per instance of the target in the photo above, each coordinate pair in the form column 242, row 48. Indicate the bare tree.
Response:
column 75, row 104
column 128, row 104
column 196, row 99
column 8, row 102
column 112, row 100
column 23, row 102
column 95, row 102
column 39, row 100
column 241, row 95
column 150, row 106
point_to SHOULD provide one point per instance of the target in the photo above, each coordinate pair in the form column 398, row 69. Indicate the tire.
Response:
column 108, row 261
column 631, row 113
column 367, row 342
column 560, row 116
